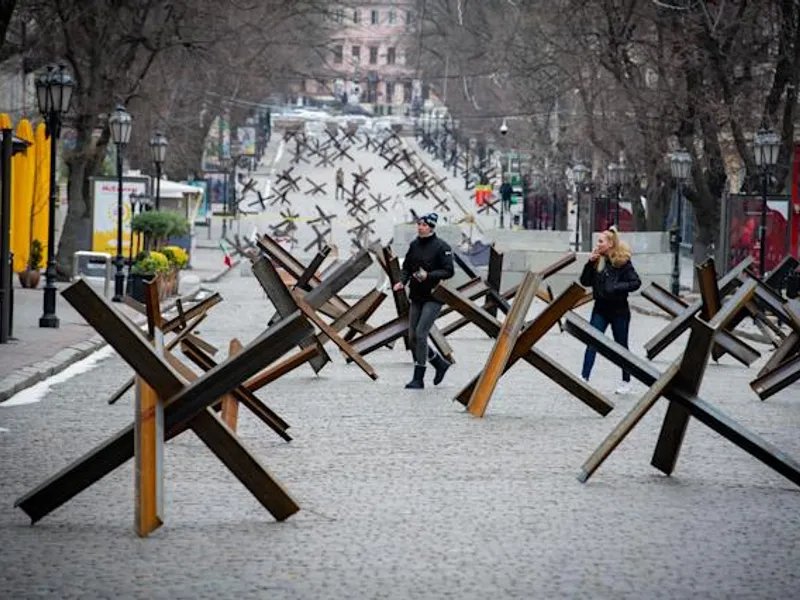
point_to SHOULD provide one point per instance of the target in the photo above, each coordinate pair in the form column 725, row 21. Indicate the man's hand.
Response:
column 421, row 274
column 398, row 286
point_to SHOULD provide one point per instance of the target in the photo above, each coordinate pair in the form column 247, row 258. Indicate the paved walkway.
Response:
column 403, row 495
column 36, row 353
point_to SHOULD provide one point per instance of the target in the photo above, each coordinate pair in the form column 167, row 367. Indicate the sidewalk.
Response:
column 35, row 353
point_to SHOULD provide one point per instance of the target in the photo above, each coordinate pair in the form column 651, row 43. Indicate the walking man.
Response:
column 339, row 183
column 428, row 261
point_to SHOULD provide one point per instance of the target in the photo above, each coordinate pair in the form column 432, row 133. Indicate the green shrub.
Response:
column 150, row 264
column 158, row 225
column 36, row 255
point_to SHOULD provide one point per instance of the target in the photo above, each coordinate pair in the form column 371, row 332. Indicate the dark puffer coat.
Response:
column 435, row 256
column 611, row 286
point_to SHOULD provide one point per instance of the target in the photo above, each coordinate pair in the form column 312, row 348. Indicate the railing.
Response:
column 105, row 256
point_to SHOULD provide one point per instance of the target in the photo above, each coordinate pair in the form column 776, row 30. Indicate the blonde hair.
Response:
column 619, row 253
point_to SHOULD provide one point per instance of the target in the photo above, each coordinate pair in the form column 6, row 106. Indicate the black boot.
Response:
column 441, row 366
column 417, row 383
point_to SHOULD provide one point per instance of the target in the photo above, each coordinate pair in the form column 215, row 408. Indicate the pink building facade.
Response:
column 369, row 62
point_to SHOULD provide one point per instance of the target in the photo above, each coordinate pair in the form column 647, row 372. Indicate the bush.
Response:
column 150, row 264
column 176, row 255
column 157, row 226
column 35, row 256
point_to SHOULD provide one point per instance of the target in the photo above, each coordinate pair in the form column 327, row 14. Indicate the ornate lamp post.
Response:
column 767, row 144
column 120, row 123
column 579, row 174
column 537, row 178
column 680, row 164
column 158, row 146
column 624, row 180
column 613, row 176
column 456, row 131
column 224, row 163
column 472, row 144
column 54, row 90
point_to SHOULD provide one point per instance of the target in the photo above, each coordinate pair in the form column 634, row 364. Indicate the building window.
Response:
column 374, row 17
column 373, row 55
column 356, row 54
column 408, row 92
column 356, row 16
column 339, row 15
column 409, row 18
column 337, row 54
column 392, row 17
column 391, row 56
column 389, row 92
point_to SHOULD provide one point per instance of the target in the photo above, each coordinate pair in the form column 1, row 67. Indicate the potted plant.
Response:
column 29, row 278
column 178, row 259
column 148, row 265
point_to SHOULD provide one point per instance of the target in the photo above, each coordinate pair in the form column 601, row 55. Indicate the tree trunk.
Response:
column 80, row 164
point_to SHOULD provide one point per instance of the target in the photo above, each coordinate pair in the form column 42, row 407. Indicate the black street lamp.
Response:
column 224, row 163
column 613, row 178
column 680, row 164
column 767, row 144
column 536, row 179
column 54, row 90
column 158, row 146
column 579, row 174
column 625, row 176
column 119, row 122
column 456, row 131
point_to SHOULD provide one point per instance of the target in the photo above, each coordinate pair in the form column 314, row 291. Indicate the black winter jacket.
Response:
column 434, row 256
column 611, row 286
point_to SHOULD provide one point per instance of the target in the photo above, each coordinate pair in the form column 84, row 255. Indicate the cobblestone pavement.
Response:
column 403, row 495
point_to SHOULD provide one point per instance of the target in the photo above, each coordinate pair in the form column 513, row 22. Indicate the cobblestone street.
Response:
column 403, row 495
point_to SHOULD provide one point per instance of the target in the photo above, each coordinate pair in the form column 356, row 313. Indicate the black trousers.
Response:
column 421, row 317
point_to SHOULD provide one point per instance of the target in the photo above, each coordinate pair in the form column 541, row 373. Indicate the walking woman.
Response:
column 610, row 274
column 428, row 261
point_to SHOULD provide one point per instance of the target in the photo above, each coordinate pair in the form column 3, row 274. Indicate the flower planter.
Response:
column 29, row 278
column 135, row 287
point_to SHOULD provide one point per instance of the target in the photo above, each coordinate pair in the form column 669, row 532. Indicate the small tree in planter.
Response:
column 158, row 226
column 29, row 278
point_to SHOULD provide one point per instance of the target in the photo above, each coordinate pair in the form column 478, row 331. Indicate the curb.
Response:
column 32, row 374
column 219, row 275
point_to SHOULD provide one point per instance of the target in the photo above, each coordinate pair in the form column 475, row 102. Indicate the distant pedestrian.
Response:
column 428, row 261
column 506, row 191
column 339, row 183
column 610, row 273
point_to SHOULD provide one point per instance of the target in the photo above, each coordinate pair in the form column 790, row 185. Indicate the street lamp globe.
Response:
column 613, row 171
column 767, row 144
column 158, row 147
column 54, row 89
column 579, row 173
column 120, row 123
column 680, row 164
column 625, row 174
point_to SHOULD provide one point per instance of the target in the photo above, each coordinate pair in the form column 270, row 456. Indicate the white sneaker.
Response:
column 624, row 388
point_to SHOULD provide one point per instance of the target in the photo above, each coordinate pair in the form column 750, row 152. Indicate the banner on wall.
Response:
column 247, row 140
column 104, row 211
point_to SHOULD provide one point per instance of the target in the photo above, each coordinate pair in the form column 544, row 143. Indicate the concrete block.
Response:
column 404, row 233
column 508, row 239
column 645, row 242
